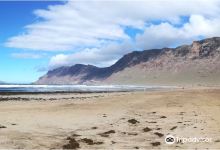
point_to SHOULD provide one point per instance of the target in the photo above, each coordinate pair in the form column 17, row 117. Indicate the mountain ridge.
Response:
column 154, row 58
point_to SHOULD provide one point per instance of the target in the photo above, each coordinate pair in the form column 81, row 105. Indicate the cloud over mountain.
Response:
column 94, row 32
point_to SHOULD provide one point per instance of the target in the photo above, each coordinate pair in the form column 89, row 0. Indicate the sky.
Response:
column 37, row 36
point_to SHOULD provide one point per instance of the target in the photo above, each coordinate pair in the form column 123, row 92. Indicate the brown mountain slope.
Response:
column 198, row 63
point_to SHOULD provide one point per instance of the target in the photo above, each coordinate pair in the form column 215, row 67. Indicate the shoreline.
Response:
column 168, row 89
column 3, row 93
column 69, row 89
column 56, row 92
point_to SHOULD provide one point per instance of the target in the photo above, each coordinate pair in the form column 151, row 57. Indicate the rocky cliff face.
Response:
column 185, row 64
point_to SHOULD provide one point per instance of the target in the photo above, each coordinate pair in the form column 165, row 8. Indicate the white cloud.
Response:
column 199, row 25
column 167, row 35
column 88, row 23
column 93, row 31
column 101, row 57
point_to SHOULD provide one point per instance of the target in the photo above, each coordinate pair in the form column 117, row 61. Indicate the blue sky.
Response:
column 36, row 36
column 14, row 16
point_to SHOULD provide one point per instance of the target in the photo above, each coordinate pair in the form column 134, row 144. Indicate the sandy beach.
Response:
column 126, row 120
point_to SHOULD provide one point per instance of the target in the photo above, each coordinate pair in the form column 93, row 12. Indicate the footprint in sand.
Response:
column 151, row 121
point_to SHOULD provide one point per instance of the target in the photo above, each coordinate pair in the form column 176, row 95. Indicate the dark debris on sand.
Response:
column 2, row 127
column 133, row 121
column 147, row 129
column 75, row 135
column 90, row 141
column 106, row 134
column 159, row 134
column 163, row 117
column 73, row 144
column 133, row 134
column 155, row 143
column 173, row 128
column 151, row 121
column 182, row 113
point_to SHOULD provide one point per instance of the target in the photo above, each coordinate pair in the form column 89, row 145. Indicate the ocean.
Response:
column 76, row 88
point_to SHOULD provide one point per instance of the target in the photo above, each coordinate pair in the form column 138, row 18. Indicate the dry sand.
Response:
column 110, row 121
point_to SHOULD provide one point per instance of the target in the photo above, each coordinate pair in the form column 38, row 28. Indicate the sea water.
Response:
column 76, row 88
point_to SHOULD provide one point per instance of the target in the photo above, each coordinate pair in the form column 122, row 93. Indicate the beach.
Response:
column 117, row 120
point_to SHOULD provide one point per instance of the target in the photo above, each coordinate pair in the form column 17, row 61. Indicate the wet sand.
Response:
column 127, row 120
